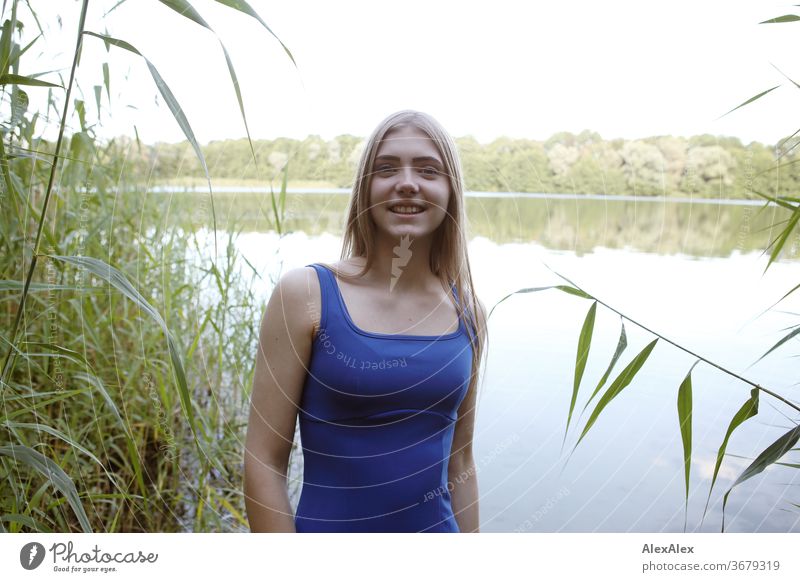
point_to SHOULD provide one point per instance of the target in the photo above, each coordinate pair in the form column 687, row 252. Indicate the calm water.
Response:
column 692, row 271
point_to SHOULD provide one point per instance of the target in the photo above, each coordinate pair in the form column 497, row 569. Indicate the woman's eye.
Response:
column 430, row 171
column 384, row 168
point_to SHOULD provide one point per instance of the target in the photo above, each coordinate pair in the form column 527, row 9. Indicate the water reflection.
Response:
column 693, row 272
column 627, row 475
column 578, row 224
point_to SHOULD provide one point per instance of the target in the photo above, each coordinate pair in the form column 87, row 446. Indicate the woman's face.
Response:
column 410, row 189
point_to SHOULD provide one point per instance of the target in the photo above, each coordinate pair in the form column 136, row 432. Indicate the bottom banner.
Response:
column 400, row 556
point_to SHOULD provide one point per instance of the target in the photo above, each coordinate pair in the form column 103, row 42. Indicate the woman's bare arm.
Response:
column 461, row 472
column 284, row 350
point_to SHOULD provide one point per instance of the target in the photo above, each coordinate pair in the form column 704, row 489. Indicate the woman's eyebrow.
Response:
column 417, row 159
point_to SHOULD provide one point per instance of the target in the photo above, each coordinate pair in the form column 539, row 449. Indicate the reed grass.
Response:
column 127, row 352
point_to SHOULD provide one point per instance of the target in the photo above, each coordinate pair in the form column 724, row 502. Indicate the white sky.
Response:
column 523, row 69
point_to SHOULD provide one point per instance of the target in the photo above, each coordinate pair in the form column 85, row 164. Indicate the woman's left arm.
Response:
column 461, row 471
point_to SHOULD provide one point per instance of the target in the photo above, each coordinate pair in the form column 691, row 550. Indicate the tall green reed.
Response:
column 123, row 397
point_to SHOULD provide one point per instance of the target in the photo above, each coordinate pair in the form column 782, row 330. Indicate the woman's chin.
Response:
column 399, row 231
column 395, row 228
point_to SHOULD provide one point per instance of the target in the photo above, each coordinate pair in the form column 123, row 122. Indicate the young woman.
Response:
column 379, row 355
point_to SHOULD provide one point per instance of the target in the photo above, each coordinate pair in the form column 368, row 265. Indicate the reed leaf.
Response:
column 89, row 378
column 768, row 456
column 278, row 207
column 284, row 183
column 780, row 145
column 779, row 242
column 38, row 495
column 779, row 200
column 97, row 384
column 625, row 377
column 748, row 410
column 184, row 8
column 117, row 5
column 37, row 427
column 118, row 280
column 622, row 343
column 782, row 19
column 166, row 92
column 584, row 344
column 25, row 520
column 56, row 351
column 783, row 340
column 198, row 335
column 30, row 395
column 107, row 81
column 54, row 474
column 792, row 81
column 245, row 8
column 564, row 288
column 43, row 400
column 5, row 46
column 795, row 288
column 6, row 285
column 685, row 423
column 754, row 98
column 237, row 515
column 11, row 79
column 238, row 91
column 4, row 168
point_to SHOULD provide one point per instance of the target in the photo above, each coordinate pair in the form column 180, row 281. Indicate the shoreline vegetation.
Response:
column 256, row 187
column 703, row 166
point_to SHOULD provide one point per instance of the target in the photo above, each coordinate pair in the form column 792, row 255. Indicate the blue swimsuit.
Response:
column 377, row 416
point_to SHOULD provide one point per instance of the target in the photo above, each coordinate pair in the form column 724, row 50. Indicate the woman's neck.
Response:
column 402, row 265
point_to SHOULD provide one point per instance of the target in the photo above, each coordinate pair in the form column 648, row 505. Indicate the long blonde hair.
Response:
column 449, row 260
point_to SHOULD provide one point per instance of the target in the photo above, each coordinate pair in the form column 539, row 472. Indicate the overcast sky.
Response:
column 523, row 69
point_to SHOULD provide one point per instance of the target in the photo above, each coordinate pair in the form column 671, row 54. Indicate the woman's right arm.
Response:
column 284, row 350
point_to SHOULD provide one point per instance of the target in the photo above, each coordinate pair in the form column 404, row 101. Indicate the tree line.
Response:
column 584, row 163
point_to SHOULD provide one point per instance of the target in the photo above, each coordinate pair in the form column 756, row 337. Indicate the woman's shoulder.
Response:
column 299, row 279
column 296, row 279
column 298, row 297
column 303, row 281
column 295, row 289
column 350, row 267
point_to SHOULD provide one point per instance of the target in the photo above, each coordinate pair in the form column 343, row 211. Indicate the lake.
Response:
column 691, row 270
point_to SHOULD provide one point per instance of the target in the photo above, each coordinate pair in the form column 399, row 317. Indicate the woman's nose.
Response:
column 407, row 180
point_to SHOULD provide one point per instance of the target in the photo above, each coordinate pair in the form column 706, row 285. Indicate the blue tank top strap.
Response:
column 327, row 291
column 472, row 329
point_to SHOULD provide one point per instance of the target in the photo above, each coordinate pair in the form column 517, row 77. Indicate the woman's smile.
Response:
column 406, row 209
